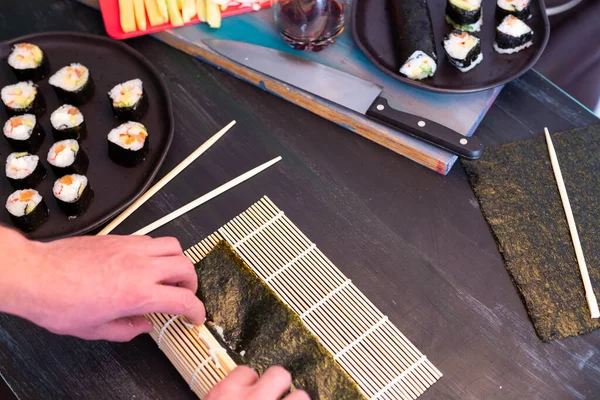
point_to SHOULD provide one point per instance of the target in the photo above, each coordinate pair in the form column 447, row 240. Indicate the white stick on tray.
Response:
column 585, row 276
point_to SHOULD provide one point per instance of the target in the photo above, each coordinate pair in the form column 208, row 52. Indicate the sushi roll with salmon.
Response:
column 23, row 133
column 73, row 84
column 519, row 8
column 128, row 144
column 128, row 100
column 512, row 36
column 73, row 194
column 463, row 50
column 28, row 62
column 67, row 157
column 23, row 98
column 27, row 209
column 24, row 170
column 68, row 123
column 464, row 15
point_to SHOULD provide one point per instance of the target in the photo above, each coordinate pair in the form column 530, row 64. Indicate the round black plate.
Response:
column 372, row 30
column 110, row 62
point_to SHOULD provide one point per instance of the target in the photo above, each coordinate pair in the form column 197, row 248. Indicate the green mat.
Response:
column 517, row 192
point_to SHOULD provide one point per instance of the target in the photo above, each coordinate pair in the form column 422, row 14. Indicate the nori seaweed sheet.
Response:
column 505, row 41
column 255, row 320
column 517, row 192
column 412, row 29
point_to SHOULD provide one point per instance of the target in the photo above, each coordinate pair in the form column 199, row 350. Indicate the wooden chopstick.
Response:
column 166, row 179
column 203, row 199
column 585, row 276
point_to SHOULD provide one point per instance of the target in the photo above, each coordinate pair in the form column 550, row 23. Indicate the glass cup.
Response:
column 310, row 24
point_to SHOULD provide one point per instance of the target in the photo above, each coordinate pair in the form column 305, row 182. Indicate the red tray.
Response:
column 112, row 23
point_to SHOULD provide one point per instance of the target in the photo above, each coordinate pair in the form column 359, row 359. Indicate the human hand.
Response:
column 96, row 287
column 243, row 383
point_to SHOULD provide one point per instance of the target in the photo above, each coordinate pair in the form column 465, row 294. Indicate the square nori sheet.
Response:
column 519, row 198
column 255, row 320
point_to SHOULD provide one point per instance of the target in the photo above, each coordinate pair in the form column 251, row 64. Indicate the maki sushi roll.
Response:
column 27, row 209
column 73, row 194
column 24, row 133
column 128, row 144
column 512, row 36
column 23, row 98
column 24, row 170
column 73, row 84
column 128, row 100
column 463, row 49
column 464, row 15
column 519, row 8
column 419, row 66
column 67, row 157
column 68, row 123
column 28, row 62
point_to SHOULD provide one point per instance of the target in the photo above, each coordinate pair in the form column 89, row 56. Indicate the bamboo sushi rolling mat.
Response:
column 382, row 361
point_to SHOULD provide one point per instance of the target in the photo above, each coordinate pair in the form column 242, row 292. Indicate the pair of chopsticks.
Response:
column 190, row 206
column 585, row 276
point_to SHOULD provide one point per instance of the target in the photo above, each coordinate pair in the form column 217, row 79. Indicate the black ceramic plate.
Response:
column 372, row 30
column 110, row 62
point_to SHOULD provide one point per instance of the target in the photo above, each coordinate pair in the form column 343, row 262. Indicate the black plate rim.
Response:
column 163, row 86
column 421, row 85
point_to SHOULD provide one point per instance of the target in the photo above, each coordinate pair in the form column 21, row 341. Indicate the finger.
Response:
column 176, row 270
column 241, row 376
column 272, row 384
column 123, row 329
column 162, row 247
column 297, row 395
column 174, row 300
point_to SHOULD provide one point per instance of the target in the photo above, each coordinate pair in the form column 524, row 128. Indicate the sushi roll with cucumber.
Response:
column 464, row 15
column 24, row 170
column 463, row 49
column 519, row 8
column 67, row 157
column 128, row 144
column 512, row 36
column 68, row 123
column 28, row 62
column 23, row 98
column 23, row 133
column 73, row 194
column 27, row 209
column 73, row 84
column 128, row 100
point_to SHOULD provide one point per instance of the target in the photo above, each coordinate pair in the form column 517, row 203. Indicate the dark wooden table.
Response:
column 414, row 241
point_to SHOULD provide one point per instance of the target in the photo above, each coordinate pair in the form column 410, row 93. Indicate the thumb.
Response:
column 124, row 329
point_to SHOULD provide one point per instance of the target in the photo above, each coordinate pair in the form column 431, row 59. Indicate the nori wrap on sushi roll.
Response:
column 73, row 194
column 464, row 15
column 27, row 209
column 67, row 157
column 128, row 144
column 414, row 42
column 129, row 101
column 24, row 170
column 73, row 84
column 463, row 50
column 28, row 62
column 24, row 133
column 68, row 123
column 23, row 98
column 254, row 320
column 519, row 8
column 512, row 36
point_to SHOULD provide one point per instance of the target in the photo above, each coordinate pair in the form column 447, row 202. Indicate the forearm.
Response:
column 13, row 266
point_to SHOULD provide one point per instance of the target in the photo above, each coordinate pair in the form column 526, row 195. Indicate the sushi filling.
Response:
column 20, row 127
column 464, row 50
column 21, row 165
column 74, row 194
column 71, row 78
column 23, row 202
column 25, row 56
column 464, row 12
column 512, row 36
column 127, row 94
column 518, row 8
column 19, row 96
column 419, row 66
column 66, row 117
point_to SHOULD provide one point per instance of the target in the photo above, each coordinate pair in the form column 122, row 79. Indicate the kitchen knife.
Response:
column 346, row 90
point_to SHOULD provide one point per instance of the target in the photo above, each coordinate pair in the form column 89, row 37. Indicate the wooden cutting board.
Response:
column 461, row 112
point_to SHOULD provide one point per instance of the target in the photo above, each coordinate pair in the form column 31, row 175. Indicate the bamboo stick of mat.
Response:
column 585, row 276
column 166, row 179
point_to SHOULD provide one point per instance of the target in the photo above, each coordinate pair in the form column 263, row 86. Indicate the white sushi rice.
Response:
column 66, row 156
column 124, row 134
column 20, row 127
column 419, row 66
column 19, row 95
column 512, row 50
column 72, row 77
column 21, row 165
column 25, row 56
column 65, row 117
column 17, row 207
column 513, row 5
column 126, row 94
column 459, row 46
column 69, row 192
column 513, row 26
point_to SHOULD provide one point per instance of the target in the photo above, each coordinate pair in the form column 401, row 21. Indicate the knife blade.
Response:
column 347, row 90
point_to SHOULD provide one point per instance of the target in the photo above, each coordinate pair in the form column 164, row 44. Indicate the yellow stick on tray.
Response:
column 189, row 10
column 163, row 9
column 126, row 15
column 154, row 14
column 201, row 10
column 213, row 14
column 174, row 15
column 140, row 14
